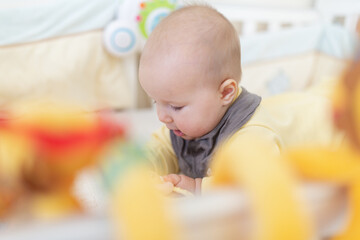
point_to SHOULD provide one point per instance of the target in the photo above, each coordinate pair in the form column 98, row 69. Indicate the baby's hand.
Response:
column 184, row 182
column 165, row 187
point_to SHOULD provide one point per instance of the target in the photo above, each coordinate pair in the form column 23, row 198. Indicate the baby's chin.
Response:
column 188, row 137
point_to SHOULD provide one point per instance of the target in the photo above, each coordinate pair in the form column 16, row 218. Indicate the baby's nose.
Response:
column 163, row 115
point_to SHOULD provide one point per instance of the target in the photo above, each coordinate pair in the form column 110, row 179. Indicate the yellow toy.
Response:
column 43, row 146
column 339, row 166
column 137, row 206
column 271, row 185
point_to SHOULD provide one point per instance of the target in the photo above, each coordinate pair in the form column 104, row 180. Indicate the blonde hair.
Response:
column 209, row 34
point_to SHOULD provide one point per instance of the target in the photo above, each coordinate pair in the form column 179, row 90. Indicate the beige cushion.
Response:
column 75, row 67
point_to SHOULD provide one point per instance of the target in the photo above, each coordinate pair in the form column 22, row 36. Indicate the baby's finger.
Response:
column 165, row 188
column 173, row 178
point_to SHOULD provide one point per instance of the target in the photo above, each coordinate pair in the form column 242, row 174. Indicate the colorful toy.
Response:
column 43, row 147
column 135, row 21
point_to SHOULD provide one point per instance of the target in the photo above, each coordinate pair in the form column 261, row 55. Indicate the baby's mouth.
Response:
column 178, row 133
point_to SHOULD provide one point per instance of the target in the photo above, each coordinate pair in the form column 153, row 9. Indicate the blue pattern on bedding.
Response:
column 279, row 83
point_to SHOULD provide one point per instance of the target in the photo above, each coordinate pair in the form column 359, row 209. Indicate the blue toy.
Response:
column 135, row 21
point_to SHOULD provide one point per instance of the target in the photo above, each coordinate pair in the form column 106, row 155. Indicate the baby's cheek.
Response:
column 192, row 123
column 195, row 129
column 185, row 126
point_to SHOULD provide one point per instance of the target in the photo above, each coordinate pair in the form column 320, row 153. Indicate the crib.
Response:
column 269, row 68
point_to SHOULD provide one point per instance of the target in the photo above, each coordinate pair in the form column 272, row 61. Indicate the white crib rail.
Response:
column 249, row 20
column 345, row 13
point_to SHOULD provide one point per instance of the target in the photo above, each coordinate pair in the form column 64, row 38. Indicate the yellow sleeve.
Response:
column 160, row 153
column 267, row 134
column 264, row 132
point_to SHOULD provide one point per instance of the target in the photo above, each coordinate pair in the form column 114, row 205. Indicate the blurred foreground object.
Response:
column 279, row 212
column 342, row 166
column 43, row 146
column 138, row 208
column 141, row 211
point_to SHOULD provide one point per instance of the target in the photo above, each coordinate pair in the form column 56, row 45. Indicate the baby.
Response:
column 191, row 68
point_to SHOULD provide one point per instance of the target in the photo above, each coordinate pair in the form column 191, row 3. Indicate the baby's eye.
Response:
column 176, row 108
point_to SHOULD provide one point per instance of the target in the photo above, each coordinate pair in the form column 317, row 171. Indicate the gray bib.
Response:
column 194, row 155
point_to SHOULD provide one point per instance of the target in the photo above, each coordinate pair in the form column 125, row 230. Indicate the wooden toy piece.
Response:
column 340, row 167
column 45, row 146
column 271, row 185
column 14, row 152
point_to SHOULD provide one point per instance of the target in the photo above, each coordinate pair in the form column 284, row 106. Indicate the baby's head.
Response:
column 190, row 66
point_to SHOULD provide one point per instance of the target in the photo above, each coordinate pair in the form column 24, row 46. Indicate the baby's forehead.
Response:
column 181, row 61
column 181, row 64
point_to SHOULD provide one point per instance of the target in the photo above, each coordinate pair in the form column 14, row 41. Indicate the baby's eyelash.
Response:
column 176, row 108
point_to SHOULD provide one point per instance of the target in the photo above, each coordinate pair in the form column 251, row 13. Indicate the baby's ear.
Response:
column 228, row 90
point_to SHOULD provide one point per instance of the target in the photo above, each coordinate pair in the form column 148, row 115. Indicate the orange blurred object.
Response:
column 46, row 146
